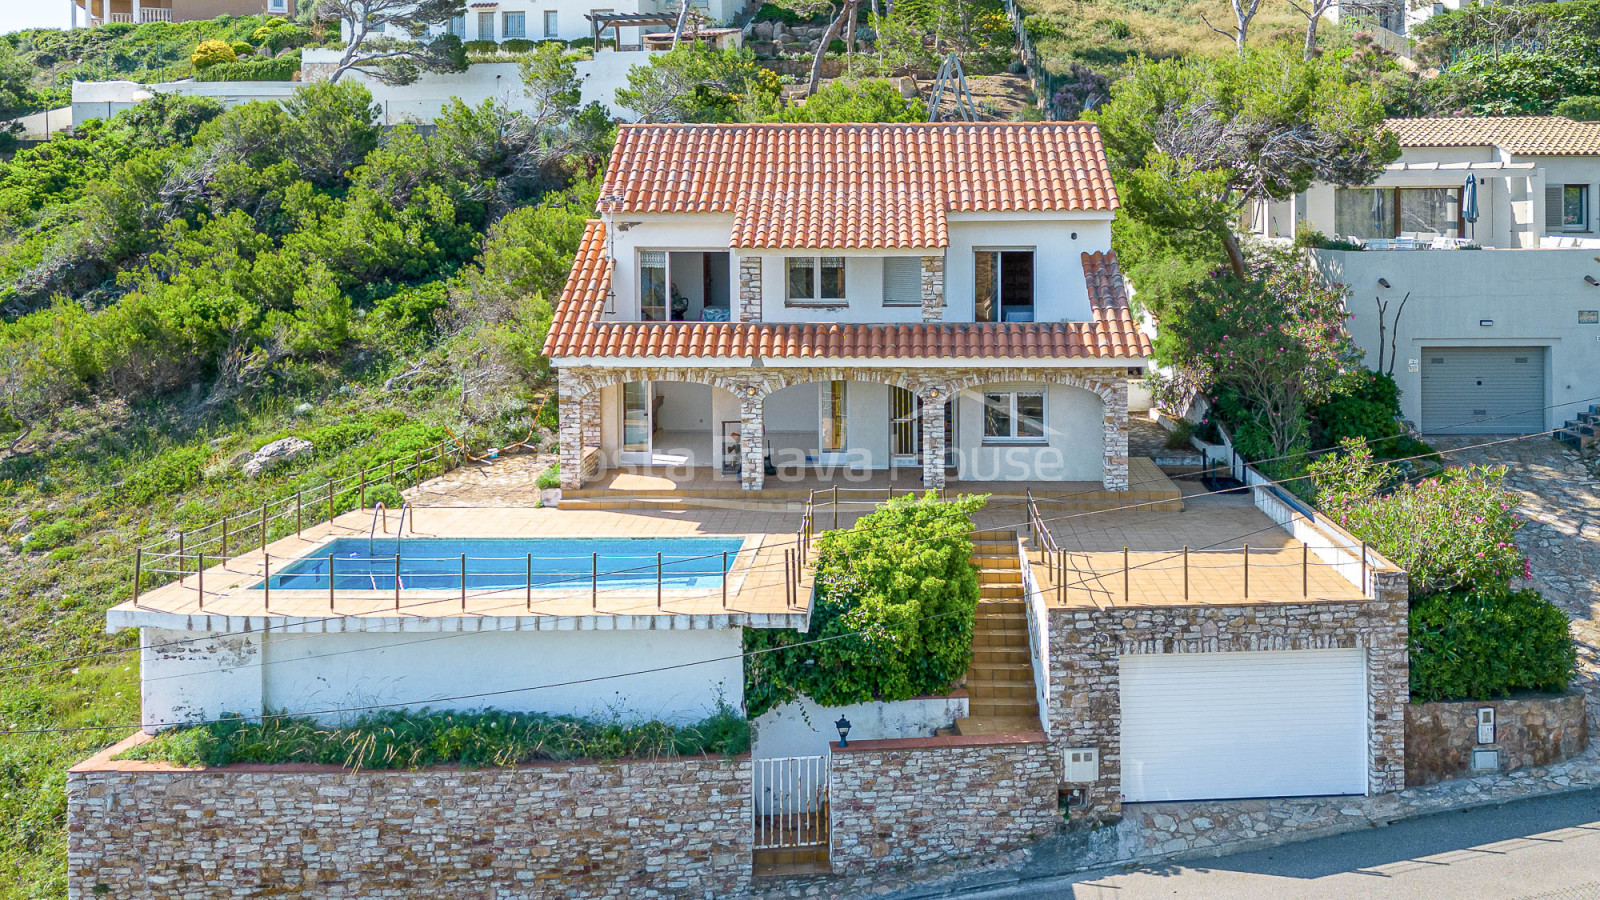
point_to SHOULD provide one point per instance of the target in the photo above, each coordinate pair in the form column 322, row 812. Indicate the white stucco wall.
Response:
column 328, row 671
column 1060, row 293
column 190, row 676
column 804, row 728
column 1532, row 296
column 1074, row 452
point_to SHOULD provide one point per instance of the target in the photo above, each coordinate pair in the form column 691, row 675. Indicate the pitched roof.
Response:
column 577, row 329
column 866, row 186
column 1521, row 135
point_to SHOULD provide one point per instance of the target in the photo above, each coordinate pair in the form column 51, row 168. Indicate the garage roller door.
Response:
column 1483, row 390
column 1202, row 726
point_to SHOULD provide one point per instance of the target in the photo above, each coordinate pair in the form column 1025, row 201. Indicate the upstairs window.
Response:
column 902, row 281
column 1013, row 416
column 457, row 27
column 551, row 27
column 815, row 281
column 653, row 285
column 516, row 25
column 485, row 26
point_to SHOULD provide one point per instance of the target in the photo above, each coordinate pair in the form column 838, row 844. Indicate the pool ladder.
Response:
column 399, row 532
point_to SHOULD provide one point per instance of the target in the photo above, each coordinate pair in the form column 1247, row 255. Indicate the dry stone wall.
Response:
column 640, row 829
column 1528, row 731
column 901, row 802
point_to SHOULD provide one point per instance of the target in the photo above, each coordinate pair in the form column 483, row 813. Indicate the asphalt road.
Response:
column 1542, row 849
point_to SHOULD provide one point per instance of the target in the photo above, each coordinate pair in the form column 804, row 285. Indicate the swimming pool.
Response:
column 435, row 564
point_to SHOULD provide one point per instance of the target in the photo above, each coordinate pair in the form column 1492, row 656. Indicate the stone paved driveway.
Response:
column 1561, row 501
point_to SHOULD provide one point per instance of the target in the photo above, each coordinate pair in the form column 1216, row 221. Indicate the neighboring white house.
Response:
column 542, row 20
column 789, row 299
column 1502, row 340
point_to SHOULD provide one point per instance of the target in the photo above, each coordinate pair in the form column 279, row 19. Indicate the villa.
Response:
column 1505, row 339
column 915, row 304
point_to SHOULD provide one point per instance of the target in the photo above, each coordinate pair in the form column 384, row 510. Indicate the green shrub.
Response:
column 1579, row 109
column 384, row 493
column 772, row 12
column 550, row 478
column 53, row 534
column 1454, row 531
column 170, row 473
column 1486, row 644
column 401, row 739
column 1181, row 436
column 1118, row 29
column 242, row 48
column 892, row 609
column 1312, row 239
column 480, row 46
column 211, row 53
column 281, row 68
column 1042, row 26
column 516, row 45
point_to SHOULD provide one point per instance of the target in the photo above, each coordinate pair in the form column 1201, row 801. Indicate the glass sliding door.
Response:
column 1002, row 289
column 831, row 426
column 636, row 422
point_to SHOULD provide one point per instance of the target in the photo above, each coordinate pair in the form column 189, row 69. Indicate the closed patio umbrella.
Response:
column 1469, row 202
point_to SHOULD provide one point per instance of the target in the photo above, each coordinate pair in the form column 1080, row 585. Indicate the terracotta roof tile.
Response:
column 577, row 329
column 866, row 186
column 1521, row 135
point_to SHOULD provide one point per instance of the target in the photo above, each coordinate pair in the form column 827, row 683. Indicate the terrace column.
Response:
column 752, row 439
column 136, row 19
column 749, row 309
column 1114, row 394
column 577, row 422
column 933, row 449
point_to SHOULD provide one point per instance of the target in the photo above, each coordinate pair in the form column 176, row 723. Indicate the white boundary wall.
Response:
column 803, row 728
column 416, row 103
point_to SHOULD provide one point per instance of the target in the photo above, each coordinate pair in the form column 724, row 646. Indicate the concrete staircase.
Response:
column 1579, row 433
column 1000, row 688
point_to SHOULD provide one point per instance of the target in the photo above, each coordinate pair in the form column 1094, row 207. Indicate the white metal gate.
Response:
column 791, row 802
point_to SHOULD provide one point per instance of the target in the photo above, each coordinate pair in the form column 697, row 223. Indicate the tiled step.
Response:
column 1000, row 656
column 1001, row 671
column 991, row 691
column 999, row 591
column 997, row 606
column 1011, row 708
column 996, row 638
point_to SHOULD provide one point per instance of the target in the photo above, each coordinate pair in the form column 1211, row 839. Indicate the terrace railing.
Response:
column 495, row 576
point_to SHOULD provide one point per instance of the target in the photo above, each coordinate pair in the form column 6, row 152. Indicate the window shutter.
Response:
column 902, row 281
column 1552, row 206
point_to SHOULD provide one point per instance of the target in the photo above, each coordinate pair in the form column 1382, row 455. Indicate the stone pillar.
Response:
column 1389, row 677
column 572, row 428
column 749, row 289
column 589, row 415
column 752, row 438
column 136, row 18
column 933, row 289
column 933, row 413
column 1116, row 435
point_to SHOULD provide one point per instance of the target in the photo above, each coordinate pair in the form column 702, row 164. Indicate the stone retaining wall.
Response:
column 1529, row 731
column 639, row 829
column 903, row 802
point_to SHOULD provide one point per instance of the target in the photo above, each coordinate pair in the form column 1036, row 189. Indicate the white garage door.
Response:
column 1199, row 726
column 1482, row 390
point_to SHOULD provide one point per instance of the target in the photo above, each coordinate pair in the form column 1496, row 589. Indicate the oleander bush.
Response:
column 400, row 739
column 891, row 615
column 1482, row 644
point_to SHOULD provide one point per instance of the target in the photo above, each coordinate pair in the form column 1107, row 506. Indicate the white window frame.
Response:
column 521, row 33
column 987, row 399
column 1584, row 192
column 817, row 264
column 457, row 26
column 277, row 6
column 486, row 15
column 552, row 23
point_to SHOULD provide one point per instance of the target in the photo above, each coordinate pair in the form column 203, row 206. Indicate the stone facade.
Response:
column 904, row 802
column 752, row 385
column 642, row 829
column 933, row 289
column 1529, row 731
column 1085, row 645
column 749, row 290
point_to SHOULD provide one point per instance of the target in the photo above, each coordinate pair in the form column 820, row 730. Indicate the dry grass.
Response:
column 1110, row 34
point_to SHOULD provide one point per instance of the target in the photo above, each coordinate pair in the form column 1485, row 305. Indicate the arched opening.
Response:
column 1028, row 431
column 670, row 424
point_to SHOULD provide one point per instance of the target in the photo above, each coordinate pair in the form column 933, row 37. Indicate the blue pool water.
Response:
column 434, row 564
